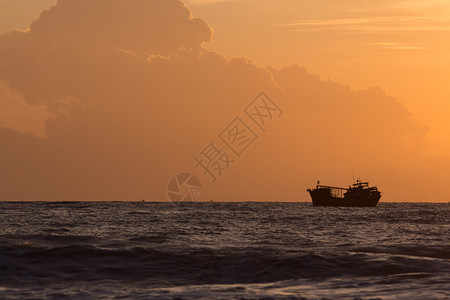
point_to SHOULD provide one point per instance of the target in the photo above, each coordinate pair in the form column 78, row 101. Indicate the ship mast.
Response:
column 353, row 174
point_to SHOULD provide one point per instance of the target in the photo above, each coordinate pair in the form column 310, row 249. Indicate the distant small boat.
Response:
column 359, row 194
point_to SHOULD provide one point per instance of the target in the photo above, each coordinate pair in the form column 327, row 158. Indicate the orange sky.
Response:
column 400, row 46
column 68, row 78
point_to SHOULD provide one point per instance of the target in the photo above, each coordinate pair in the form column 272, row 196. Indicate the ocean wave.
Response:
column 223, row 250
column 22, row 263
column 441, row 252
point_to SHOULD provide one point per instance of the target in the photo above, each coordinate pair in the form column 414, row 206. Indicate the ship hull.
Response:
column 325, row 200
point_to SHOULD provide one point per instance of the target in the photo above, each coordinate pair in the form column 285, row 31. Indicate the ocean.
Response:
column 133, row 250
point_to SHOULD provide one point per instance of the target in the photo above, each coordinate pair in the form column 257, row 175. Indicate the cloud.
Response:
column 159, row 27
column 373, row 24
column 208, row 2
column 53, row 58
column 396, row 46
column 16, row 113
column 132, row 95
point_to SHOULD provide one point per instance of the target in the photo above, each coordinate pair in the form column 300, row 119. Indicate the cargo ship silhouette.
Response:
column 359, row 194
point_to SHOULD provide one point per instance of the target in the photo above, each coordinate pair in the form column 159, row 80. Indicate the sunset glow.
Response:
column 224, row 149
column 119, row 103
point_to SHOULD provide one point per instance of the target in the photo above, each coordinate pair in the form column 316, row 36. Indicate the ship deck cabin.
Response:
column 335, row 191
column 340, row 192
column 361, row 184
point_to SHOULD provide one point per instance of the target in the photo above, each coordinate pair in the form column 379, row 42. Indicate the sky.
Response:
column 108, row 99
column 363, row 43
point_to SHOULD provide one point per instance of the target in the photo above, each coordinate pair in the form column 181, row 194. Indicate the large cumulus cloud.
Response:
column 62, row 51
column 133, row 95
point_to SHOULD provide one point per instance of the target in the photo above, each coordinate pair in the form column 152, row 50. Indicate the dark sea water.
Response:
column 119, row 250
